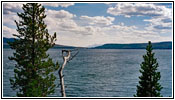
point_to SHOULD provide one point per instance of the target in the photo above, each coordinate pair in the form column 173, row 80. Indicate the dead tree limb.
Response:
column 73, row 56
column 66, row 58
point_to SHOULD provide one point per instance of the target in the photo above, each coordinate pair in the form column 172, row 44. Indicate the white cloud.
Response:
column 139, row 9
column 98, row 20
column 58, row 4
column 159, row 24
column 62, row 22
column 98, row 29
column 8, row 19
column 159, row 15
column 9, row 15
column 61, row 14
column 8, row 32
column 12, row 8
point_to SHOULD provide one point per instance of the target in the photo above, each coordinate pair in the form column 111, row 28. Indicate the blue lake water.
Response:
column 100, row 72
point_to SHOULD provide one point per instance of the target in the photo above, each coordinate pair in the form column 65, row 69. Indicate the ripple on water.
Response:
column 100, row 73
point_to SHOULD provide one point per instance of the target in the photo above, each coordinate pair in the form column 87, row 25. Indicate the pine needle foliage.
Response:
column 148, row 84
column 33, row 69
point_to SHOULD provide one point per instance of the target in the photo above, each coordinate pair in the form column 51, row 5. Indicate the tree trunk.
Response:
column 65, row 58
column 62, row 79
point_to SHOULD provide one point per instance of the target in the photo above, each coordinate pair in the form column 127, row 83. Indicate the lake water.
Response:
column 100, row 72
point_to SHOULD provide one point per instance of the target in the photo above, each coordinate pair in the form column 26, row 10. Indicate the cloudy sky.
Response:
column 89, row 24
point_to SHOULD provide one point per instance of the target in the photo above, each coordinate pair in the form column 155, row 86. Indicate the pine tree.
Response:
column 148, row 84
column 33, row 69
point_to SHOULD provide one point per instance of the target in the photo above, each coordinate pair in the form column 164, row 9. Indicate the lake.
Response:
column 100, row 72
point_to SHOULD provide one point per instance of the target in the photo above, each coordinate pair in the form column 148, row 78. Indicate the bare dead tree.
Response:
column 66, row 54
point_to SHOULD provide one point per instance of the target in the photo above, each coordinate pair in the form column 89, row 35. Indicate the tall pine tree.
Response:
column 148, row 84
column 33, row 69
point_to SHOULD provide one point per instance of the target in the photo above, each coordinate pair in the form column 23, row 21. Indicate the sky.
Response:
column 92, row 24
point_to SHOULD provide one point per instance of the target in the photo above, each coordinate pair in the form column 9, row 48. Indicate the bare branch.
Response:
column 66, row 57
column 73, row 56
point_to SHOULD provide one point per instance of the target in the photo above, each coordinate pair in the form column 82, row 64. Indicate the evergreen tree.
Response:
column 148, row 84
column 33, row 69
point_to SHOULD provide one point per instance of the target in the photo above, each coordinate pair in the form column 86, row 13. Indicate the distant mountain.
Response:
column 57, row 46
column 7, row 39
column 159, row 45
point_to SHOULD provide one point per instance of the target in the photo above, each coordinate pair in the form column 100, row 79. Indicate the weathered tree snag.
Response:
column 66, row 54
column 65, row 58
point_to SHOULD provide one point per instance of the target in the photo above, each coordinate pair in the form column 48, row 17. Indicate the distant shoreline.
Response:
column 156, row 45
column 102, row 49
